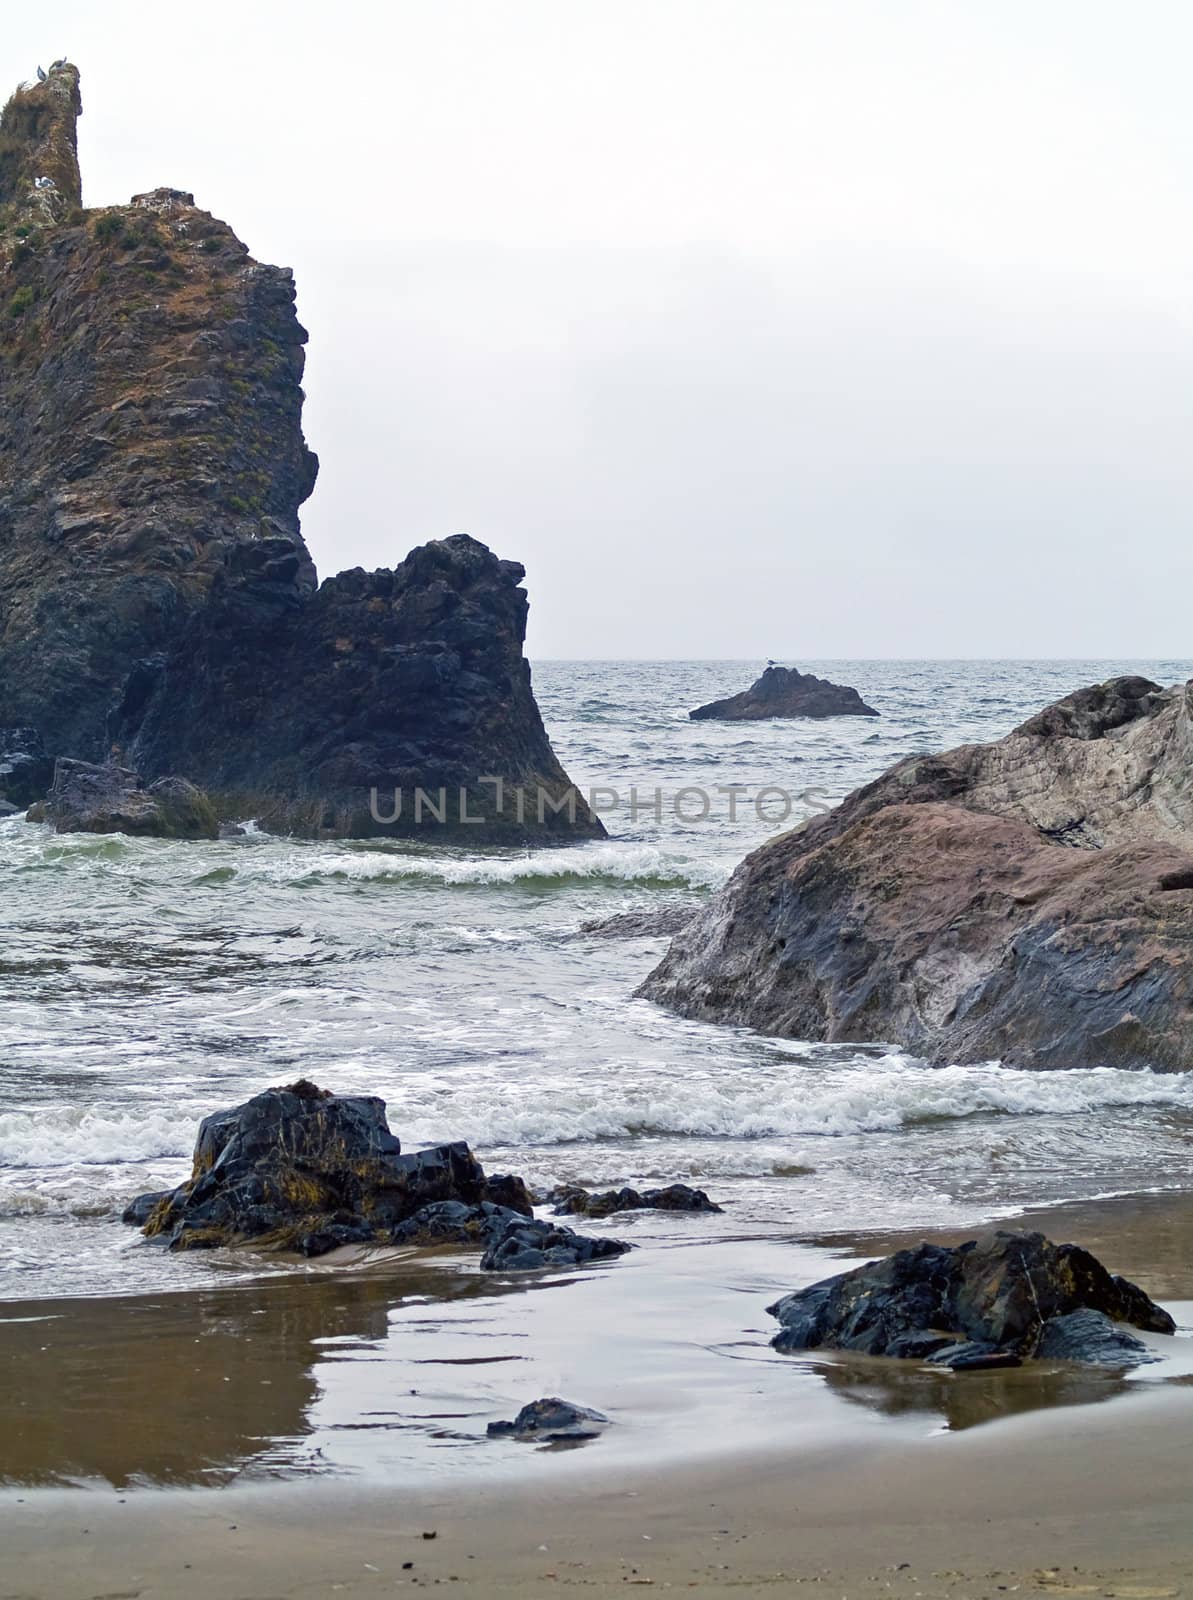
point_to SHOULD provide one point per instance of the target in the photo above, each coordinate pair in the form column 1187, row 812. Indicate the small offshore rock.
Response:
column 543, row 1421
column 527, row 1244
column 991, row 1302
column 786, row 692
column 576, row 1202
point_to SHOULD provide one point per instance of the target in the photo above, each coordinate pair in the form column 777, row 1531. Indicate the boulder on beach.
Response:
column 299, row 1168
column 109, row 799
column 995, row 1301
column 572, row 1201
column 549, row 1420
column 1029, row 900
column 786, row 692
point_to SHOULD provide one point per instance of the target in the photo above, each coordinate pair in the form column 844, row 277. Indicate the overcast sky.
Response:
column 792, row 328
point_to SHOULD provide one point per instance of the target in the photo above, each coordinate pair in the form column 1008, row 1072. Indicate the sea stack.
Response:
column 1029, row 900
column 158, row 605
column 786, row 692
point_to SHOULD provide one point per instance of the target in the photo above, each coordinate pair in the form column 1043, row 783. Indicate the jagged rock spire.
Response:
column 39, row 162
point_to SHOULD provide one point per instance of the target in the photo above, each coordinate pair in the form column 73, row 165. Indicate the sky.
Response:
column 794, row 328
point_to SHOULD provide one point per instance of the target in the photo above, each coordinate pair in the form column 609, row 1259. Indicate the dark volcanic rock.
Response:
column 329, row 717
column 111, row 799
column 1029, row 900
column 786, row 692
column 577, row 1202
column 991, row 1302
column 551, row 1418
column 25, row 770
column 157, row 601
column 301, row 1169
column 525, row 1245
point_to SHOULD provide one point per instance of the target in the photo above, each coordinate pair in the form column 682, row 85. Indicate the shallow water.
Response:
column 144, row 984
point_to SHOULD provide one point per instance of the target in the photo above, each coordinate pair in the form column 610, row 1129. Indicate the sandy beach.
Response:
column 1095, row 1503
column 204, row 1448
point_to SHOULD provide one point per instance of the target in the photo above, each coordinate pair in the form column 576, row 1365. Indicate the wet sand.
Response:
column 1098, row 1506
column 297, row 1437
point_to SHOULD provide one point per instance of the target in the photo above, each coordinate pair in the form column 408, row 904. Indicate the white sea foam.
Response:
column 751, row 1103
column 65, row 1136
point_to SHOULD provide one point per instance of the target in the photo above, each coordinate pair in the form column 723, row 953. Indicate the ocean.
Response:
column 144, row 984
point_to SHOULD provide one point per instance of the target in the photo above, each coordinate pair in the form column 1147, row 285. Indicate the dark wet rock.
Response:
column 8, row 811
column 300, row 1168
column 549, row 1419
column 453, row 1222
column 786, row 692
column 1029, row 900
column 508, row 1190
column 526, row 1245
column 991, row 1302
column 109, row 799
column 26, row 771
column 572, row 1201
column 158, row 604
column 662, row 922
column 1093, row 1338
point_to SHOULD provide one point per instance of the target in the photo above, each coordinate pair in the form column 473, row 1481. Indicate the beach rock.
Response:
column 571, row 1201
column 991, row 1302
column 786, row 692
column 1091, row 1337
column 453, row 1222
column 550, row 1419
column 25, row 769
column 523, row 1245
column 109, row 799
column 158, row 605
column 1029, row 900
column 300, row 1168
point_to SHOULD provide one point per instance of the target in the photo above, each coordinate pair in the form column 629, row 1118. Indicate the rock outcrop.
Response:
column 157, row 601
column 995, row 1301
column 111, row 799
column 1029, row 900
column 786, row 692
column 301, row 1169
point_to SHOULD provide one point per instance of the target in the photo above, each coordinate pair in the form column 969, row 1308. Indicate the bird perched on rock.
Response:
column 54, row 65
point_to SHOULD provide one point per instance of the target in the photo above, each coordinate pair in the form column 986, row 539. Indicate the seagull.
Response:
column 41, row 77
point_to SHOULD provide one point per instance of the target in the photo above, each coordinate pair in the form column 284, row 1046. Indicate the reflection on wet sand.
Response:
column 391, row 1368
column 963, row 1400
column 191, row 1388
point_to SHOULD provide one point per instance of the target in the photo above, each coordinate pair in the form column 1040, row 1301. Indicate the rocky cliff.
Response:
column 1030, row 900
column 152, row 466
